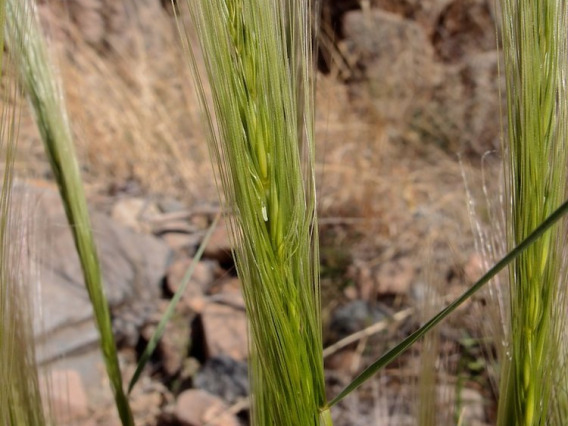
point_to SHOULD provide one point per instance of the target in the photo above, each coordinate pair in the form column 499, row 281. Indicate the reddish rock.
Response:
column 202, row 277
column 219, row 246
column 176, row 241
column 395, row 277
column 173, row 345
column 196, row 304
column 345, row 361
column 196, row 407
column 229, row 291
column 225, row 330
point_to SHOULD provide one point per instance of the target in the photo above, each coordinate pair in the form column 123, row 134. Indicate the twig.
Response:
column 366, row 332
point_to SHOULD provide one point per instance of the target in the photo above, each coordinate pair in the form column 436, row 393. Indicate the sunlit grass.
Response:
column 536, row 63
column 259, row 65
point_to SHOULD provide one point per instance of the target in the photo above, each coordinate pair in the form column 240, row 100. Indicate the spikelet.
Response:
column 536, row 63
column 259, row 65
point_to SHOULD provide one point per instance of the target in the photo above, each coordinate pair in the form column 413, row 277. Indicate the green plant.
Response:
column 44, row 94
column 536, row 63
column 258, row 62
column 255, row 139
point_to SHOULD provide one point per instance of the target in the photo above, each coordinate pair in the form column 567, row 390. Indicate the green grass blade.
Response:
column 46, row 99
column 153, row 342
column 410, row 340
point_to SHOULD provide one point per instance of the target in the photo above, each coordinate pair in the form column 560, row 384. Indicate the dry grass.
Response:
column 133, row 115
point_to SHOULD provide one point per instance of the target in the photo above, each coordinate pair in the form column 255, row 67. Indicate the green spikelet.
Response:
column 259, row 61
column 536, row 63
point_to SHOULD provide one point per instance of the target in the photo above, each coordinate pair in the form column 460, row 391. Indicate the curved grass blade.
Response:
column 410, row 340
column 153, row 342
column 45, row 96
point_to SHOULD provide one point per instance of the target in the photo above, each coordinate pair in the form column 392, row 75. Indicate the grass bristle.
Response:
column 20, row 397
column 259, row 64
column 536, row 62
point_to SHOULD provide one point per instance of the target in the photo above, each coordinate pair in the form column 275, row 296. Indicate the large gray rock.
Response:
column 397, row 58
column 426, row 13
column 439, row 85
column 464, row 113
column 133, row 266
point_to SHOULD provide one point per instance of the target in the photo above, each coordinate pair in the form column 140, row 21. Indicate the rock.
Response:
column 133, row 267
column 350, row 292
column 473, row 412
column 171, row 205
column 457, row 27
column 464, row 111
column 426, row 14
column 462, row 30
column 229, row 286
column 431, row 70
column 90, row 366
column 345, row 361
column 200, row 281
column 131, row 212
column 173, row 346
column 398, row 61
column 220, row 246
column 66, row 325
column 147, row 400
column 128, row 320
column 395, row 277
column 361, row 274
column 225, row 331
column 67, row 396
column 229, row 292
column 177, row 230
column 224, row 377
column 354, row 317
column 196, row 304
column 179, row 241
column 197, row 408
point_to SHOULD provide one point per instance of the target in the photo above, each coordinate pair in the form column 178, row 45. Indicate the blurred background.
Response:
column 408, row 139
